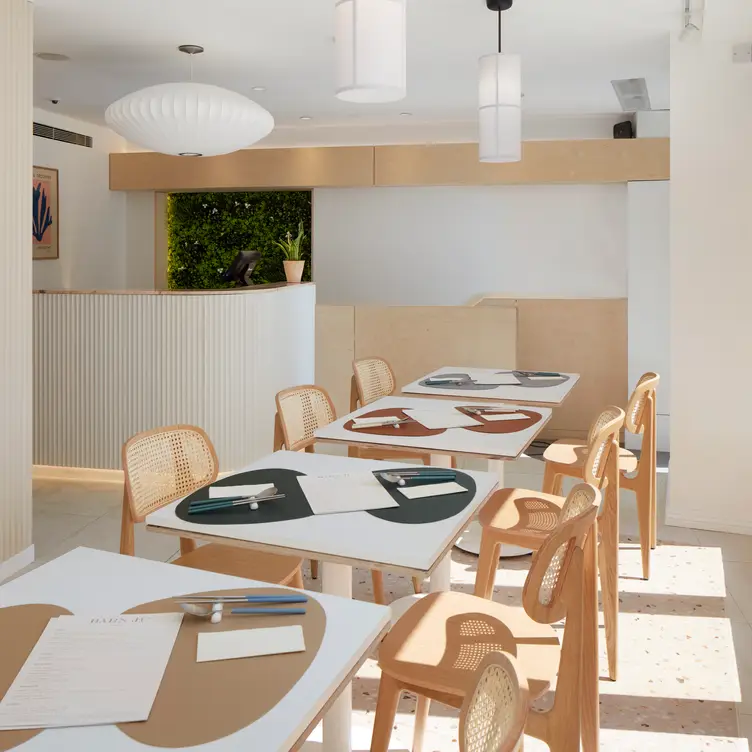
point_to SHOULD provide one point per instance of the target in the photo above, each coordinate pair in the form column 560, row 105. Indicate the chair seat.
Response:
column 527, row 516
column 439, row 643
column 573, row 453
column 242, row 562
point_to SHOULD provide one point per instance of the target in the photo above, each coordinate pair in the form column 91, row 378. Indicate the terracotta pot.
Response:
column 294, row 271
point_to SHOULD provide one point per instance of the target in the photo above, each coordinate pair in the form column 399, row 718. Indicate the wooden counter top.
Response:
column 232, row 291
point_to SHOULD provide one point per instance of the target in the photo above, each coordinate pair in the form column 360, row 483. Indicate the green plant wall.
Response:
column 206, row 230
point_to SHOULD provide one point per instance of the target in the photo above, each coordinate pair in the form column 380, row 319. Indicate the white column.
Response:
column 711, row 274
column 15, row 284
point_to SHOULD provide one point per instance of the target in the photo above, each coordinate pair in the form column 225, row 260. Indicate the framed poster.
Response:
column 45, row 233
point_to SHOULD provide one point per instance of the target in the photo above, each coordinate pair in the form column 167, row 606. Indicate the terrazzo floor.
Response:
column 685, row 680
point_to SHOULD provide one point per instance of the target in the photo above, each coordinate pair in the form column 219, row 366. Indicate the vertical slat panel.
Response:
column 15, row 279
column 110, row 365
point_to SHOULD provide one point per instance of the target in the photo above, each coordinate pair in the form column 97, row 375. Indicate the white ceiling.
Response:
column 571, row 51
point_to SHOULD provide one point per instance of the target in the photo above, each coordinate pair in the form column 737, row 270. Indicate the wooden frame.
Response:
column 46, row 223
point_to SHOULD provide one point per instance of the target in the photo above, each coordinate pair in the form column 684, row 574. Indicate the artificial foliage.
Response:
column 206, row 230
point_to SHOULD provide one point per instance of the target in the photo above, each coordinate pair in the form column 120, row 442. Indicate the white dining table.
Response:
column 341, row 542
column 499, row 384
column 452, row 442
column 90, row 582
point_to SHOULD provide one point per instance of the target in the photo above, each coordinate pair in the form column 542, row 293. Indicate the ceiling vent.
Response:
column 632, row 94
column 60, row 134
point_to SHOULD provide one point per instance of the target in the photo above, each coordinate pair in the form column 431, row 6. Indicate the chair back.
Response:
column 547, row 594
column 166, row 464
column 493, row 715
column 603, row 437
column 372, row 379
column 642, row 397
column 300, row 411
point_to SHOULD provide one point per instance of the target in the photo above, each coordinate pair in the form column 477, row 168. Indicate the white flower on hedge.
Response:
column 247, row 206
column 214, row 211
column 206, row 206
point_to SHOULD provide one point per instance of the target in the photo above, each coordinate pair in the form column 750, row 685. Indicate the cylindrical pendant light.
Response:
column 371, row 50
column 500, row 107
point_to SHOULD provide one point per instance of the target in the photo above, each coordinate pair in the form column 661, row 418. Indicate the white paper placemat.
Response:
column 90, row 670
column 351, row 492
column 498, row 379
column 218, row 492
column 435, row 419
column 504, row 416
column 431, row 489
column 249, row 643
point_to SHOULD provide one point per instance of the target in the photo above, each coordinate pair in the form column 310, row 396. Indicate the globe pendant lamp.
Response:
column 371, row 50
column 500, row 102
column 189, row 119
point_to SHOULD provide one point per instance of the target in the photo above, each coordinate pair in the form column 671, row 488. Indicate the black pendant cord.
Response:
column 499, row 13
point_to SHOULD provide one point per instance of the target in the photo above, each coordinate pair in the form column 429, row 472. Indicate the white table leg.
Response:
column 440, row 580
column 469, row 542
column 336, row 579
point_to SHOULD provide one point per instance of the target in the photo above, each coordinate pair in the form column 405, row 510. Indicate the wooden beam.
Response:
column 590, row 161
column 244, row 170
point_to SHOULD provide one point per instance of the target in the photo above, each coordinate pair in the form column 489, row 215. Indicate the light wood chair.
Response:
column 435, row 648
column 493, row 715
column 373, row 378
column 563, row 459
column 521, row 517
column 300, row 411
column 165, row 464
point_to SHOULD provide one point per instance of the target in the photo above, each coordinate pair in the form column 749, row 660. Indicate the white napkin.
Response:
column 436, row 418
column 218, row 492
column 431, row 489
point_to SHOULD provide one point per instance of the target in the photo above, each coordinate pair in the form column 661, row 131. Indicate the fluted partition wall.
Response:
column 15, row 284
column 108, row 365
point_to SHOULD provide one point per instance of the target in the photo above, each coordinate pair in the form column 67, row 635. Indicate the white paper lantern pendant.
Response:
column 189, row 119
column 500, row 101
column 371, row 50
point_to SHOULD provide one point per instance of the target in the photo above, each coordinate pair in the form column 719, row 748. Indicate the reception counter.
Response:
column 110, row 364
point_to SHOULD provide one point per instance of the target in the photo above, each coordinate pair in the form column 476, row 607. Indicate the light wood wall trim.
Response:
column 589, row 161
column 316, row 167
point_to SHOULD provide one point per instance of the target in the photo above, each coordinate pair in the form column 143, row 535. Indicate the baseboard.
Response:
column 98, row 475
column 704, row 523
column 16, row 563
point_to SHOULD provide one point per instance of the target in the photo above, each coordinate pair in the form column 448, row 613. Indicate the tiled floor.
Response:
column 685, row 636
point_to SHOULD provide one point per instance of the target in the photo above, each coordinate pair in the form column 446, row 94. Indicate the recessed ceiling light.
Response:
column 306, row 117
column 406, row 114
column 53, row 57
column 259, row 88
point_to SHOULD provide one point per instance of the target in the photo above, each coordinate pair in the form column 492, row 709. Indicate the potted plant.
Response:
column 293, row 262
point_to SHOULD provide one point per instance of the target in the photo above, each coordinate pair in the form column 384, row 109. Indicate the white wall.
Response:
column 711, row 273
column 92, row 218
column 445, row 246
column 139, row 240
column 648, row 286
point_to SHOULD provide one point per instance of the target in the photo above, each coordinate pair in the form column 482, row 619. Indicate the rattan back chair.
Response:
column 373, row 378
column 166, row 464
column 492, row 717
column 438, row 645
column 300, row 411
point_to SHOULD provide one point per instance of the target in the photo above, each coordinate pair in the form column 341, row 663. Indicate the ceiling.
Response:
column 571, row 50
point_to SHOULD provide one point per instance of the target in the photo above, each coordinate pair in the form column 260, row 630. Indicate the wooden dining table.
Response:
column 492, row 440
column 97, row 583
column 414, row 539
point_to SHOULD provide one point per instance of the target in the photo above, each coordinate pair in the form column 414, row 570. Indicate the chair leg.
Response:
column 549, row 478
column 417, row 585
column 297, row 579
column 314, row 569
column 608, row 565
column 488, row 561
column 644, row 511
column 421, row 716
column 386, row 710
column 377, row 577
column 653, row 511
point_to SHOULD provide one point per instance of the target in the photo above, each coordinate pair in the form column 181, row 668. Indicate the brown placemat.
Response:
column 198, row 703
column 20, row 627
column 411, row 428
column 501, row 426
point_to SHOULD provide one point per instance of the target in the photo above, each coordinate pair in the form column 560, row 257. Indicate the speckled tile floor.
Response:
column 685, row 678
